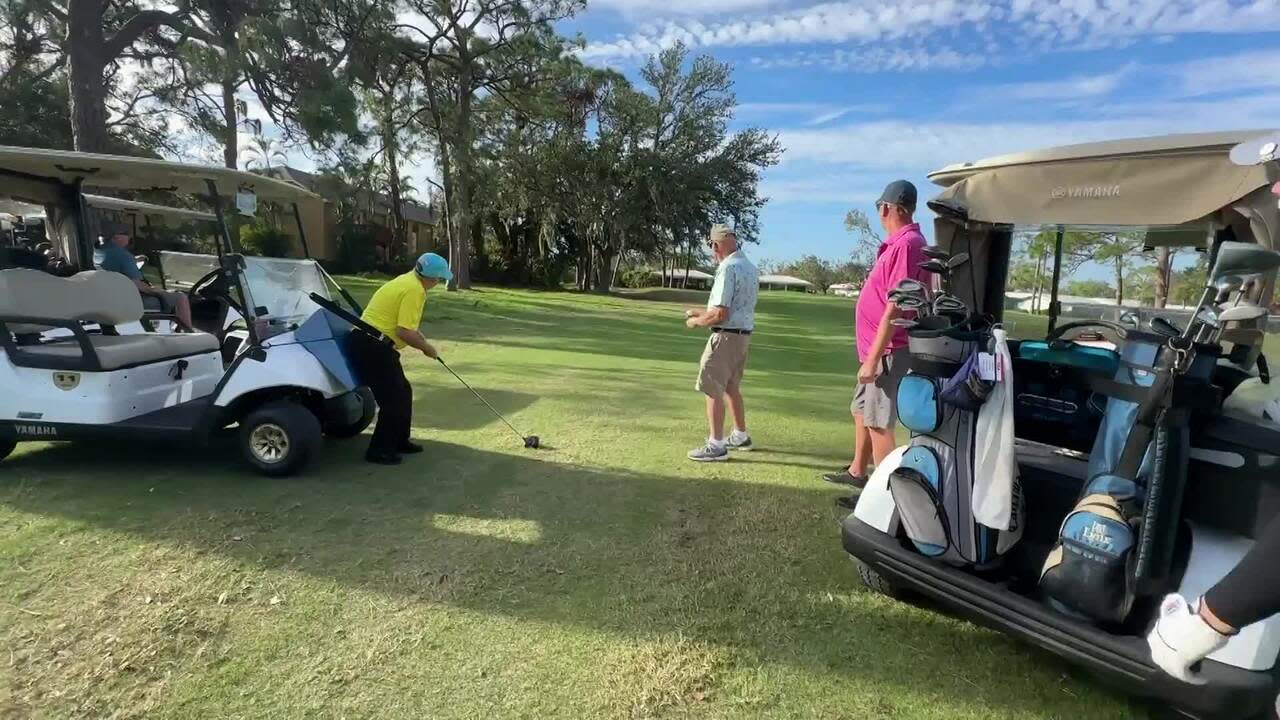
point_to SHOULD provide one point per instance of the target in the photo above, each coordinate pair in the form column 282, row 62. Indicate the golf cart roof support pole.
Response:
column 84, row 243
column 302, row 234
column 251, row 312
column 215, row 201
column 1054, row 309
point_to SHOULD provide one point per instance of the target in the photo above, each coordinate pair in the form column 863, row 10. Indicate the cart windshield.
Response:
column 284, row 286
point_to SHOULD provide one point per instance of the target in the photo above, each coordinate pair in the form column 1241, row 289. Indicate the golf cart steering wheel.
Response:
column 1055, row 337
column 205, row 284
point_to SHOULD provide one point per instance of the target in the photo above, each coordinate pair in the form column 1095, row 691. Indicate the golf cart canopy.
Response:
column 56, row 180
column 103, row 202
column 130, row 173
column 1168, row 181
column 1180, row 190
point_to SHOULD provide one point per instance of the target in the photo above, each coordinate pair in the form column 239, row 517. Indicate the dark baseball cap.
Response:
column 112, row 229
column 899, row 192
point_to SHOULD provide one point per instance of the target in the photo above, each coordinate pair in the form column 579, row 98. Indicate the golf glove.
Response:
column 1181, row 638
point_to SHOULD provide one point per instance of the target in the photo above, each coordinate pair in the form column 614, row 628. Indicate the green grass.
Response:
column 603, row 577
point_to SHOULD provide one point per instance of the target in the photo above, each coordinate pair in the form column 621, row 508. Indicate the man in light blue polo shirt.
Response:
column 117, row 258
column 731, row 315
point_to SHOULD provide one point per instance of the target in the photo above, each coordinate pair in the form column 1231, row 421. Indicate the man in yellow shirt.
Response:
column 396, row 311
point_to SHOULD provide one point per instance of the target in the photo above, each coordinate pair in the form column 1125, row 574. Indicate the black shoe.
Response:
column 844, row 477
column 382, row 458
column 847, row 503
column 409, row 448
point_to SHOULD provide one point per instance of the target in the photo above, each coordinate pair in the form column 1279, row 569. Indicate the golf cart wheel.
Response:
column 6, row 446
column 368, row 408
column 279, row 438
column 876, row 582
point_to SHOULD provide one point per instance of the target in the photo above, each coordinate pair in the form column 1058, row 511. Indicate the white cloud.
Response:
column 880, row 59
column 645, row 8
column 1042, row 24
column 1072, row 88
column 827, row 117
column 1232, row 73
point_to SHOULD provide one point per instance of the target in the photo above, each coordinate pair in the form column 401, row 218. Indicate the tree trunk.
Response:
column 1164, row 261
column 1119, row 281
column 688, row 263
column 230, row 80
column 399, row 236
column 85, row 85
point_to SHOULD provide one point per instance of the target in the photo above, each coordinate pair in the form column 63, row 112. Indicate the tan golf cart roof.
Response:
column 1157, row 181
column 103, row 202
column 130, row 173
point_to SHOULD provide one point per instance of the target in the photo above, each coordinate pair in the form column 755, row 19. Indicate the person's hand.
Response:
column 869, row 371
column 691, row 323
column 690, row 312
column 431, row 352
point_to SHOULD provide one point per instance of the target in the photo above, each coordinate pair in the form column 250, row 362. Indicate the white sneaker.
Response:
column 1181, row 638
column 739, row 440
column 709, row 453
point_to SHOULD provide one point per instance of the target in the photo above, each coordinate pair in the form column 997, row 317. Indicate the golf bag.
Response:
column 933, row 487
column 1116, row 544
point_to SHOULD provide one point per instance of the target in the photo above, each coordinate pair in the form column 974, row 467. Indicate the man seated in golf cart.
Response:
column 117, row 258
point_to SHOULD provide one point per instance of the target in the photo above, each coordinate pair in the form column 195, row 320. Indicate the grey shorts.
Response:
column 875, row 401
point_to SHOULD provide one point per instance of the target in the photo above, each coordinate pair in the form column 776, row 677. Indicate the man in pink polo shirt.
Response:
column 899, row 257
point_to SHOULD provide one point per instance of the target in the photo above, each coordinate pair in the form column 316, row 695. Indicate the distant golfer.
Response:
column 898, row 258
column 731, row 315
column 396, row 311
column 117, row 258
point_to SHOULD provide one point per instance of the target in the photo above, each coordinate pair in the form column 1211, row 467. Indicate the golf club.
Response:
column 1238, row 314
column 1227, row 285
column 935, row 253
column 1165, row 327
column 949, row 305
column 530, row 441
column 904, row 323
column 914, row 304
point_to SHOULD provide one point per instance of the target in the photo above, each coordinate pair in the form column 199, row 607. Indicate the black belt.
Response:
column 735, row 331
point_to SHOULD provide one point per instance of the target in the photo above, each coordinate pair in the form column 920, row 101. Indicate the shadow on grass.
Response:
column 457, row 409
column 750, row 567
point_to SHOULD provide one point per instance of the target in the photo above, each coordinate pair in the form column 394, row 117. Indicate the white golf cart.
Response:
column 75, row 364
column 1147, row 423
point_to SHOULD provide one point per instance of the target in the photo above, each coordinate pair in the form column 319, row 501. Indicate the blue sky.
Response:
column 864, row 92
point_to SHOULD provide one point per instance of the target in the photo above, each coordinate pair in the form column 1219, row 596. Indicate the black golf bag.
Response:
column 933, row 487
column 1117, row 543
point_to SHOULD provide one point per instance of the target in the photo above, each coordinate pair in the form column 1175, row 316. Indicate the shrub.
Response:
column 637, row 279
column 356, row 252
column 265, row 240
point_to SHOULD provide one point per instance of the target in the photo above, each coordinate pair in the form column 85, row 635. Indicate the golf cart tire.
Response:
column 6, row 447
column 875, row 582
column 275, row 421
column 368, row 409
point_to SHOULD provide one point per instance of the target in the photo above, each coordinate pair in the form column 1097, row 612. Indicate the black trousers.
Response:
column 378, row 364
column 1251, row 591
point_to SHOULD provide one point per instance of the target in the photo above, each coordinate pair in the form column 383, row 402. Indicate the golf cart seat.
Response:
column 32, row 302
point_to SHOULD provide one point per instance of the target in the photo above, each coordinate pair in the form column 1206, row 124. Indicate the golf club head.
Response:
column 910, row 285
column 936, row 253
column 905, row 323
column 1226, row 285
column 1164, row 326
column 911, row 304
column 1242, row 313
column 956, row 261
column 934, row 266
column 532, row 442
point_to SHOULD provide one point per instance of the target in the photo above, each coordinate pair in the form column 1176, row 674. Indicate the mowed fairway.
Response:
column 603, row 576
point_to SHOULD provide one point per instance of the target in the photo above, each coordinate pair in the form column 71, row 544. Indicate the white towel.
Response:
column 995, row 466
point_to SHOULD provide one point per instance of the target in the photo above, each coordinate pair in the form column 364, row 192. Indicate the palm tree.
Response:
column 261, row 152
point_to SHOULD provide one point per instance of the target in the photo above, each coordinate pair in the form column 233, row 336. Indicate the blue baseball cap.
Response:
column 433, row 266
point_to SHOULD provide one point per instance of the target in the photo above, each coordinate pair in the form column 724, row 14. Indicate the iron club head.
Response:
column 532, row 442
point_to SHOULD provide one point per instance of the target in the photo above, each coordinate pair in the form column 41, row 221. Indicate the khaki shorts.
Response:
column 723, row 362
column 874, row 401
